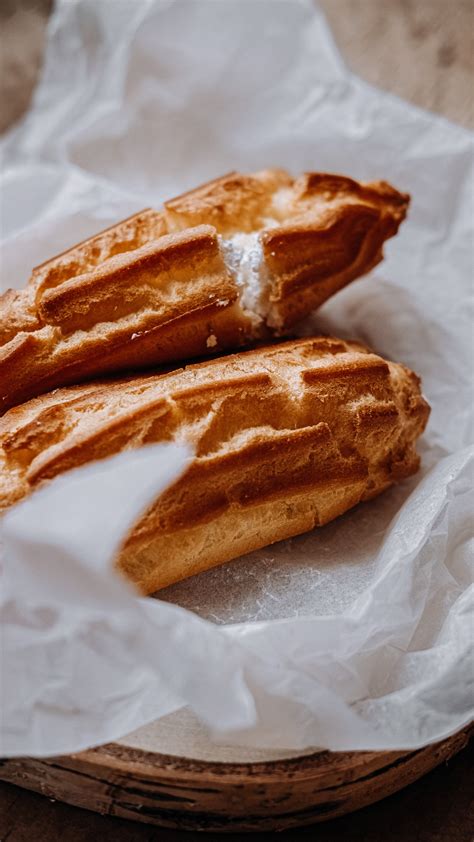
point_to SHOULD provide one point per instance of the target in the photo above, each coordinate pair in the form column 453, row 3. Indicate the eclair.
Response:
column 286, row 437
column 238, row 260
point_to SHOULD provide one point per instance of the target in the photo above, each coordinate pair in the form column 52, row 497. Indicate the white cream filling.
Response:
column 243, row 255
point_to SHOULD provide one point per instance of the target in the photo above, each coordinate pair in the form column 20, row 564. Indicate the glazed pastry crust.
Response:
column 286, row 437
column 160, row 287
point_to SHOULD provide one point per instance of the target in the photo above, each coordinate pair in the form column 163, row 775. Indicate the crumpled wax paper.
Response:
column 356, row 636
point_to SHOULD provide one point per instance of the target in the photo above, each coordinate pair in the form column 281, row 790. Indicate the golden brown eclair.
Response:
column 241, row 258
column 287, row 437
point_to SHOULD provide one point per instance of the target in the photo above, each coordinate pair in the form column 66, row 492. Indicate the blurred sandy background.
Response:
column 422, row 50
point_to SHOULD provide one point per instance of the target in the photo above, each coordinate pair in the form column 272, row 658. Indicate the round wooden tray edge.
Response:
column 299, row 767
column 177, row 793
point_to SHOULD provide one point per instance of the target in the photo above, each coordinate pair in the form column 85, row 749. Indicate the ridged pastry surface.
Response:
column 238, row 259
column 286, row 437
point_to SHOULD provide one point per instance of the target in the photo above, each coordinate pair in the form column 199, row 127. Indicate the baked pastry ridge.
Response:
column 286, row 437
column 241, row 258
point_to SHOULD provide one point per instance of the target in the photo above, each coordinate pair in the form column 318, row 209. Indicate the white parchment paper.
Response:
column 356, row 636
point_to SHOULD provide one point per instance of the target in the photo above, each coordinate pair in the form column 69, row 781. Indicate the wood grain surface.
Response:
column 438, row 808
column 187, row 794
column 423, row 51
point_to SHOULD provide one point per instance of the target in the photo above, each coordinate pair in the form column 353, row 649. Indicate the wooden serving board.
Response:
column 169, row 774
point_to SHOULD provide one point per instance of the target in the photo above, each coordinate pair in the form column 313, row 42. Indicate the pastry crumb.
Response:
column 211, row 341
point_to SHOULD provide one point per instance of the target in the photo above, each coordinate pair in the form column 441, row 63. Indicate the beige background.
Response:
column 422, row 50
